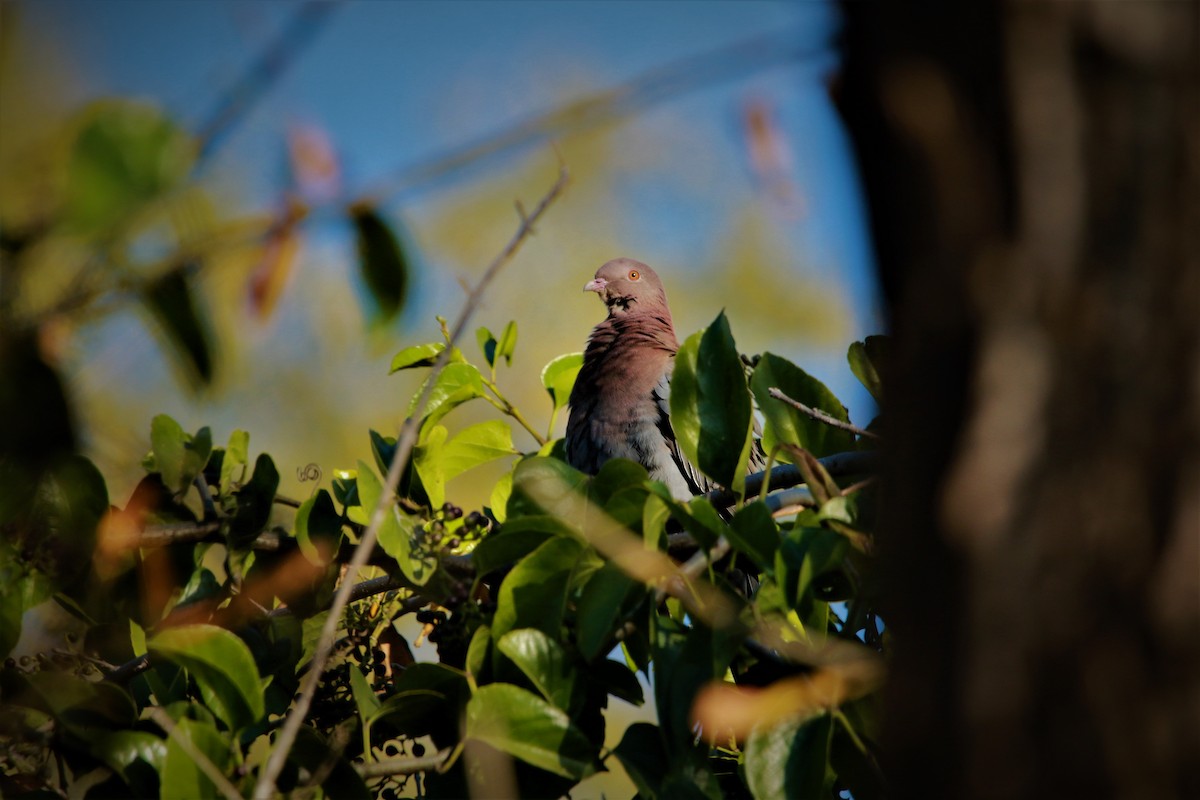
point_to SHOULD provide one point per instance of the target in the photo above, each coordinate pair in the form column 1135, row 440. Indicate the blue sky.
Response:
column 393, row 84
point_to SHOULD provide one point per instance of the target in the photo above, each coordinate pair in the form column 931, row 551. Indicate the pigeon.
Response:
column 620, row 405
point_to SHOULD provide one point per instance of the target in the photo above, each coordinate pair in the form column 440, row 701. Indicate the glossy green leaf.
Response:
column 685, row 659
column 534, row 593
column 559, row 375
column 254, row 503
column 125, row 155
column 507, row 344
column 419, row 355
column 20, row 590
column 396, row 532
column 68, row 502
column 318, row 528
column 790, row 760
column 184, row 322
column 785, row 423
column 455, row 385
column 711, row 411
column 233, row 464
column 866, row 359
column 180, row 776
column 754, row 532
column 382, row 261
column 119, row 749
column 607, row 598
column 527, row 727
column 543, row 661
column 222, row 667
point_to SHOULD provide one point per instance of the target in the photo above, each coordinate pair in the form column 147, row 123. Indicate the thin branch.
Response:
column 851, row 462
column 202, row 761
column 265, row 788
column 275, row 58
column 652, row 87
column 821, row 416
column 403, row 766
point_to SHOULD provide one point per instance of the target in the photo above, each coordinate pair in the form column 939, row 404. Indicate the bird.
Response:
column 620, row 404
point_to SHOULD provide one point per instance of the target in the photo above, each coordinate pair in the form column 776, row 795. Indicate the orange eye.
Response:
column 634, row 275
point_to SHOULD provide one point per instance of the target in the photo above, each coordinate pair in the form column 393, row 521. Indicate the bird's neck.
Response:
column 650, row 328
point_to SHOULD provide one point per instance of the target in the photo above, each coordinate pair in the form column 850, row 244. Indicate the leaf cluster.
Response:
column 748, row 624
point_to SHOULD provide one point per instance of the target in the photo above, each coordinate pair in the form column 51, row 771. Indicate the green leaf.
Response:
column 364, row 697
column 167, row 442
column 419, row 355
column 684, row 660
column 754, row 532
column 784, row 423
column 476, row 445
column 455, row 385
column 607, row 598
column 544, row 485
column 543, row 661
column 318, row 528
column 178, row 457
column 790, row 760
column 527, row 727
column 184, row 322
column 222, row 667
column 237, row 456
column 384, row 266
column 19, row 591
column 508, row 343
column 125, row 155
column 498, row 500
column 505, row 548
column 180, row 776
column 559, row 377
column 487, row 345
column 711, row 411
column 804, row 555
column 254, row 502
column 119, row 749
column 534, row 593
column 866, row 358
column 396, row 532
column 643, row 756
column 61, row 518
column 427, row 700
column 619, row 680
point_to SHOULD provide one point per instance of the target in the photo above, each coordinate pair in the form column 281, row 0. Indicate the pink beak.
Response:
column 595, row 285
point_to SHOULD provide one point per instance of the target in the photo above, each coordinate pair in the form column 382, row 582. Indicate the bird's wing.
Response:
column 697, row 481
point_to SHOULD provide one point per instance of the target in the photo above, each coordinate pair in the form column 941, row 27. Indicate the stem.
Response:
column 820, row 416
column 265, row 789
column 502, row 403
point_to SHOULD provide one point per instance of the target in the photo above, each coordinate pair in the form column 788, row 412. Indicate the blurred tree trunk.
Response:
column 1032, row 173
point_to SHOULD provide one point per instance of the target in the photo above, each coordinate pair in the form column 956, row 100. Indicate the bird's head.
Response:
column 628, row 287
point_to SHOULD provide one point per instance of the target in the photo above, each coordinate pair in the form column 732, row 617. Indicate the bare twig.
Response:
column 276, row 57
column 202, row 761
column 265, row 788
column 821, row 416
column 403, row 766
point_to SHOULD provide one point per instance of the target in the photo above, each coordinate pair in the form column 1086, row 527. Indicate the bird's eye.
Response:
column 634, row 275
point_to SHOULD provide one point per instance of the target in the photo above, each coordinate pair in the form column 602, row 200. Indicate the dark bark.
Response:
column 1031, row 172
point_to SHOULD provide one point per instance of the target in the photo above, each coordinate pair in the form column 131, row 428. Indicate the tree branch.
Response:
column 265, row 788
column 202, row 761
column 403, row 766
column 821, row 416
